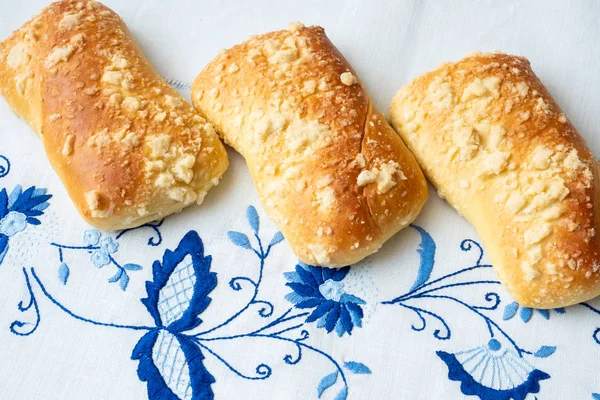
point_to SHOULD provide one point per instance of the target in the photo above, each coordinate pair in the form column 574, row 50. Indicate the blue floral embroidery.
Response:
column 596, row 334
column 4, row 169
column 170, row 362
column 526, row 313
column 436, row 289
column 18, row 210
column 493, row 373
column 101, row 251
column 322, row 290
column 13, row 223
column 170, row 357
column 152, row 240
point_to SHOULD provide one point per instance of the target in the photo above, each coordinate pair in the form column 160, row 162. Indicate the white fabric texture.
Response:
column 196, row 307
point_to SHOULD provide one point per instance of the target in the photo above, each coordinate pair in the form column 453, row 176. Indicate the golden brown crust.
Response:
column 292, row 105
column 494, row 142
column 127, row 146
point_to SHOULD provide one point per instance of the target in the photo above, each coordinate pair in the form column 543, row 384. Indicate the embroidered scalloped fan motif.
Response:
column 170, row 362
column 493, row 373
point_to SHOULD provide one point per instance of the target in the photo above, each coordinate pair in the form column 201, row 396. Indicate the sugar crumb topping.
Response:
column 348, row 79
column 295, row 26
column 62, row 53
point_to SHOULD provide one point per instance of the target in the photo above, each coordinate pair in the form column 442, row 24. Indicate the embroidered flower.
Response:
column 100, row 258
column 332, row 290
column 109, row 245
column 19, row 209
column 492, row 373
column 322, row 289
column 101, row 255
column 91, row 237
column 13, row 223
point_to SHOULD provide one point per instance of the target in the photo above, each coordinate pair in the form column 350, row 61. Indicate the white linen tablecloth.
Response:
column 211, row 302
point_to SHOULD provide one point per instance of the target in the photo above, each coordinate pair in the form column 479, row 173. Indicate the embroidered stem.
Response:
column 263, row 370
column 152, row 241
column 69, row 312
column 419, row 294
column 287, row 358
column 436, row 333
column 116, row 264
column 595, row 310
column 596, row 334
column 62, row 246
column 22, row 308
column 235, row 286
column 4, row 170
column 280, row 320
column 489, row 322
column 414, row 293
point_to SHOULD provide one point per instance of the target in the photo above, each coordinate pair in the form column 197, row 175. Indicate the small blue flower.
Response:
column 493, row 373
column 91, row 237
column 321, row 289
column 332, row 290
column 99, row 258
column 13, row 223
column 109, row 245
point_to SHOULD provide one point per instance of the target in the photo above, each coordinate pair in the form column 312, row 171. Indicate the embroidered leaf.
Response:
column 252, row 217
column 14, row 196
column 510, row 310
column 545, row 351
column 544, row 313
column 426, row 252
column 560, row 310
column 132, row 267
column 356, row 313
column 321, row 310
column 596, row 396
column 303, row 290
column 307, row 277
column 28, row 202
column 332, row 317
column 278, row 237
column 336, row 274
column 343, row 394
column 345, row 322
column 292, row 277
column 179, row 290
column 3, row 203
column 116, row 276
column 239, row 239
column 350, row 298
column 357, row 368
column 525, row 314
column 63, row 273
column 171, row 365
column 309, row 303
column 326, row 383
column 3, row 246
column 124, row 281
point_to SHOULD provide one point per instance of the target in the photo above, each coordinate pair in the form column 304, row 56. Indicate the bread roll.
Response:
column 496, row 145
column 127, row 147
column 330, row 171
